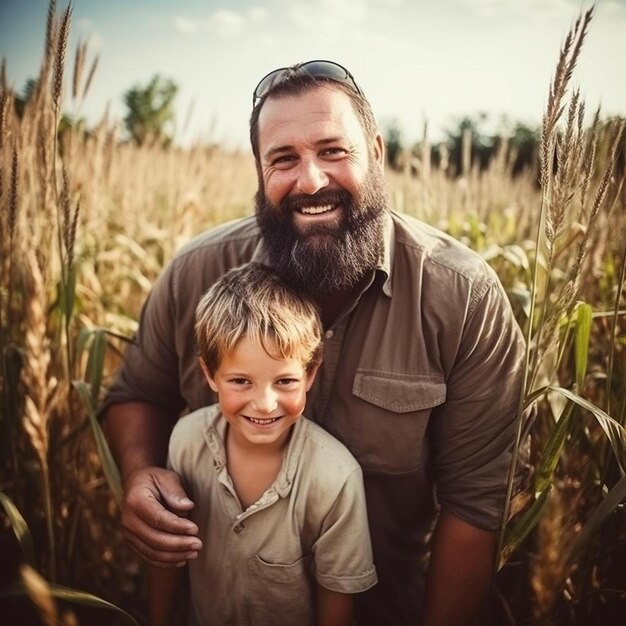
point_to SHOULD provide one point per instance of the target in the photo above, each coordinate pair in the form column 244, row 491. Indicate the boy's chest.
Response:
column 251, row 480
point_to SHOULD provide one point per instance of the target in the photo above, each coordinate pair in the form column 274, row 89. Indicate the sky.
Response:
column 431, row 61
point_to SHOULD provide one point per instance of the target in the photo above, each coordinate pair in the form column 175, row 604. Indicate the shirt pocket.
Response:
column 391, row 413
column 280, row 593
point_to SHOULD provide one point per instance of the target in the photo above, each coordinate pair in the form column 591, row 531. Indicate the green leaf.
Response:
column 583, row 333
column 20, row 528
column 609, row 503
column 109, row 466
column 523, row 526
column 68, row 293
column 552, row 450
column 95, row 363
column 614, row 430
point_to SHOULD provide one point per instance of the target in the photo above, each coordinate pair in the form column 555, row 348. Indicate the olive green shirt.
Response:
column 420, row 380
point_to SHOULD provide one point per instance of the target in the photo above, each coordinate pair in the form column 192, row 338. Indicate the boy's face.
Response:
column 260, row 397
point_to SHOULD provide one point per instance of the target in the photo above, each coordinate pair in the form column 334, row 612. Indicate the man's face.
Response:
column 322, row 199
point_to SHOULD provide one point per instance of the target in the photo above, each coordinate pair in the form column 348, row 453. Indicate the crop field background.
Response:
column 87, row 222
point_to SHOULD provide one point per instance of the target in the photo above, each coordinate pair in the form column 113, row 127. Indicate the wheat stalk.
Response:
column 59, row 59
column 35, row 380
column 79, row 62
column 90, row 76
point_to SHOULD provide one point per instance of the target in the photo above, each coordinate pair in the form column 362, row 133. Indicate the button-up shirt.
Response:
column 420, row 379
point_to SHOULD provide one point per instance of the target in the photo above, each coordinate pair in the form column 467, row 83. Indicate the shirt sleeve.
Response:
column 343, row 551
column 149, row 372
column 473, row 432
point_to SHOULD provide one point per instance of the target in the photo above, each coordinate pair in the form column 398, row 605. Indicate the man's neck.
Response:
column 332, row 305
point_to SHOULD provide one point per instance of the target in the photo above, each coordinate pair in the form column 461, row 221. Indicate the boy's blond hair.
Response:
column 252, row 301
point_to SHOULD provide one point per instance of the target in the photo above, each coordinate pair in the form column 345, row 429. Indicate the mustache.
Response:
column 324, row 196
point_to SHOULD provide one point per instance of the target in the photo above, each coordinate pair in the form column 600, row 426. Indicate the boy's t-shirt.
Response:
column 259, row 566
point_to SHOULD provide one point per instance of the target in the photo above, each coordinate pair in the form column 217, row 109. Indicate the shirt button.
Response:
column 238, row 528
column 329, row 334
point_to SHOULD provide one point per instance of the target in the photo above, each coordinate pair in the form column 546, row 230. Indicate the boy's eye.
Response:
column 284, row 382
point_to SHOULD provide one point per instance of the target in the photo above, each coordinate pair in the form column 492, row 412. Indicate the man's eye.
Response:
column 334, row 152
column 285, row 160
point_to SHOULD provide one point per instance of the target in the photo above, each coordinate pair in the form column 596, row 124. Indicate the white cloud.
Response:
column 257, row 14
column 185, row 25
column 324, row 17
column 491, row 8
column 224, row 23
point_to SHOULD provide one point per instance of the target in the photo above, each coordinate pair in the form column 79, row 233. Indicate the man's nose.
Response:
column 311, row 178
column 265, row 400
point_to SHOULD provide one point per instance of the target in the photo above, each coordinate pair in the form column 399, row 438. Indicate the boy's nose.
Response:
column 311, row 178
column 265, row 401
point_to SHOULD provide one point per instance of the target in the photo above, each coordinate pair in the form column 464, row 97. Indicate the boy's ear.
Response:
column 207, row 374
column 310, row 375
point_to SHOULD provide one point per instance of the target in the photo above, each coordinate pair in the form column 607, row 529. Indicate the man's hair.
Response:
column 297, row 81
column 252, row 301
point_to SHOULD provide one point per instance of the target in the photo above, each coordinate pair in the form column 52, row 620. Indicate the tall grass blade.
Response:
column 76, row 597
column 109, row 466
column 609, row 503
column 95, row 362
column 20, row 528
column 583, row 333
column 612, row 428
column 552, row 450
column 523, row 527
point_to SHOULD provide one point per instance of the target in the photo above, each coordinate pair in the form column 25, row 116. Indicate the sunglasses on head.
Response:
column 315, row 69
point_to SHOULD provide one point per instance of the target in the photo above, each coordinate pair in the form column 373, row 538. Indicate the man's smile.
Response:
column 316, row 210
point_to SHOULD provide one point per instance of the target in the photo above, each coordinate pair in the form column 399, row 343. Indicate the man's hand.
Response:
column 155, row 504
column 153, row 518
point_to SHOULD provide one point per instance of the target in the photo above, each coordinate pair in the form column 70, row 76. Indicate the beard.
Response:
column 326, row 257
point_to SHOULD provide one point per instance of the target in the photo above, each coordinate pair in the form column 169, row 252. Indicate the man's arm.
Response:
column 333, row 608
column 163, row 591
column 154, row 499
column 460, row 572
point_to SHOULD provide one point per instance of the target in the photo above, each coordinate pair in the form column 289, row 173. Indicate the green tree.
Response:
column 150, row 109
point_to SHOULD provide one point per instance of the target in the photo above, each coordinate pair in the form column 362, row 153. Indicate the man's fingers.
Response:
column 158, row 558
column 163, row 531
column 172, row 492
column 144, row 506
column 161, row 546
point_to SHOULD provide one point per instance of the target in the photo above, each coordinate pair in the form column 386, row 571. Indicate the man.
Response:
column 422, row 357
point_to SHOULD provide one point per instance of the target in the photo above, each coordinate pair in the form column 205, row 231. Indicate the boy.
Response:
column 279, row 502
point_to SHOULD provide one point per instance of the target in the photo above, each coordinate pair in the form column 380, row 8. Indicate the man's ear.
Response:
column 379, row 149
column 207, row 374
column 310, row 375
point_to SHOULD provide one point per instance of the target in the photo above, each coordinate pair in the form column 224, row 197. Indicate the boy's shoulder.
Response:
column 194, row 433
column 198, row 420
column 324, row 453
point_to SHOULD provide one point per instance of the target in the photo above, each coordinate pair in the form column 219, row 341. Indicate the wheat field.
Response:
column 87, row 222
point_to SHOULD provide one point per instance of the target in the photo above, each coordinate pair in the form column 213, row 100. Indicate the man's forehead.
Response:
column 318, row 114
